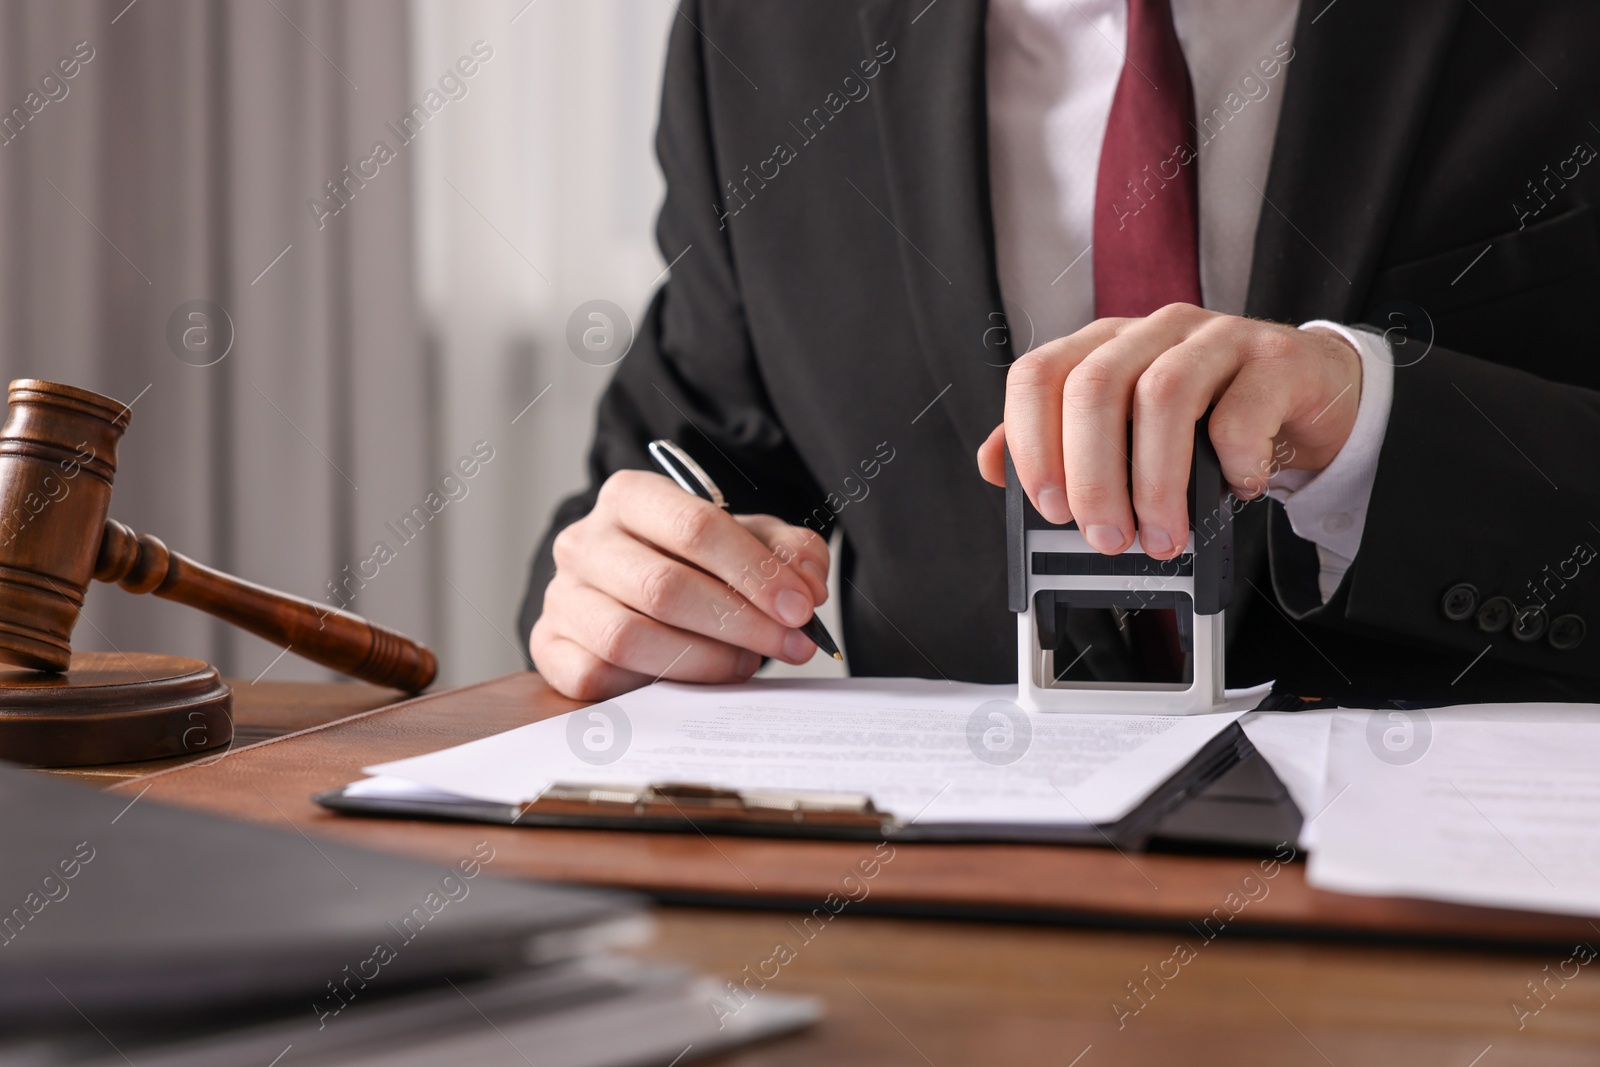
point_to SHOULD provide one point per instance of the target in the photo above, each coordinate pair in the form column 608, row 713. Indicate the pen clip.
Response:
column 681, row 468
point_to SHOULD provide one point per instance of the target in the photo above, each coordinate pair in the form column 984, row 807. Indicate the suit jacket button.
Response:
column 1460, row 601
column 1496, row 614
column 1530, row 623
column 1566, row 632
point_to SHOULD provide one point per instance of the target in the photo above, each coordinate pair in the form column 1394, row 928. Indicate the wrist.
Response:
column 1320, row 433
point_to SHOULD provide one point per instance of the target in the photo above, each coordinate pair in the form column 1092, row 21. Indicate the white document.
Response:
column 1295, row 746
column 1496, row 805
column 925, row 751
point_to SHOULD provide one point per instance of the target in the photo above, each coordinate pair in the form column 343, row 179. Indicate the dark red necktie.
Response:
column 1147, row 225
column 1146, row 208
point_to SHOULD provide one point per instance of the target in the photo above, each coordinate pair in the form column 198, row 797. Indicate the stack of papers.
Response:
column 1492, row 804
column 929, row 754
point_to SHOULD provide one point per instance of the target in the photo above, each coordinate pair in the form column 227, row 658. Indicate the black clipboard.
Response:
column 689, row 808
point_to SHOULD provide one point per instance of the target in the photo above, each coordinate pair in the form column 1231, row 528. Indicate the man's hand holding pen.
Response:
column 657, row 583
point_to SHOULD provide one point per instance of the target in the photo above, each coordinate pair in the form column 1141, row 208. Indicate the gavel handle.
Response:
column 140, row 563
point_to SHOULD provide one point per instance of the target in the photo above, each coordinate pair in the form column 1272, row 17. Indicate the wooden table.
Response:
column 927, row 991
column 915, row 992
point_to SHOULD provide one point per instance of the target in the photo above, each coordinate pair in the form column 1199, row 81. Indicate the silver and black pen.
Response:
column 692, row 478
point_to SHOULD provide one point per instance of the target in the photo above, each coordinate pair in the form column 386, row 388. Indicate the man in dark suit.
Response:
column 859, row 247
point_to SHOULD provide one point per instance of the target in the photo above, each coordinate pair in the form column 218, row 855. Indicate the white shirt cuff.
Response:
column 1329, row 507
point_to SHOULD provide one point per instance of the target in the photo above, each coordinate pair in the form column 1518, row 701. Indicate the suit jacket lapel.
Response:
column 1358, row 90
column 931, row 107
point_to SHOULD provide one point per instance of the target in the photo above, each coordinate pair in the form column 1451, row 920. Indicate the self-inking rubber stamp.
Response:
column 1124, row 633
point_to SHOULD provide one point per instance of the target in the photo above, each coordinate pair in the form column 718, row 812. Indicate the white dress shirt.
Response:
column 1053, row 66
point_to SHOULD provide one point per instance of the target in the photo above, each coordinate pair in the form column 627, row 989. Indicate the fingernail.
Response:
column 1155, row 540
column 1103, row 538
column 797, row 647
column 816, row 573
column 749, row 663
column 1053, row 504
column 793, row 608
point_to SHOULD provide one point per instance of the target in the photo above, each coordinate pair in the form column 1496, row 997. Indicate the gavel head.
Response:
column 58, row 455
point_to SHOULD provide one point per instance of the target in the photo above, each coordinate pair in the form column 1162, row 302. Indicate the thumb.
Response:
column 992, row 457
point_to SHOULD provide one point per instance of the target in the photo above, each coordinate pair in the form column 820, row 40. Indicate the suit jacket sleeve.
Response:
column 691, row 374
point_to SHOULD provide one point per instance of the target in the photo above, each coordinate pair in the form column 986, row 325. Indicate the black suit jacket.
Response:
column 834, row 295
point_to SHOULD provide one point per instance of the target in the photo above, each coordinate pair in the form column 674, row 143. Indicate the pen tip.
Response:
column 838, row 656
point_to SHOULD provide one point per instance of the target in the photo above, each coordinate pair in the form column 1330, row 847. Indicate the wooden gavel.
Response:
column 58, row 456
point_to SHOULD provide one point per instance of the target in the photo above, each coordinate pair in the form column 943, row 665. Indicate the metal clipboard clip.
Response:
column 689, row 804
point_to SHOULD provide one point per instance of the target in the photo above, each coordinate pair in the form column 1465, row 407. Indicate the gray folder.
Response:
column 129, row 928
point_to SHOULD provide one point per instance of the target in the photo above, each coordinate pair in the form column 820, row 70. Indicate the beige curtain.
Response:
column 174, row 166
column 536, row 193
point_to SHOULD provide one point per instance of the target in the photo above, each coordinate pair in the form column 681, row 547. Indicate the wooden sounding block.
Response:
column 110, row 707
